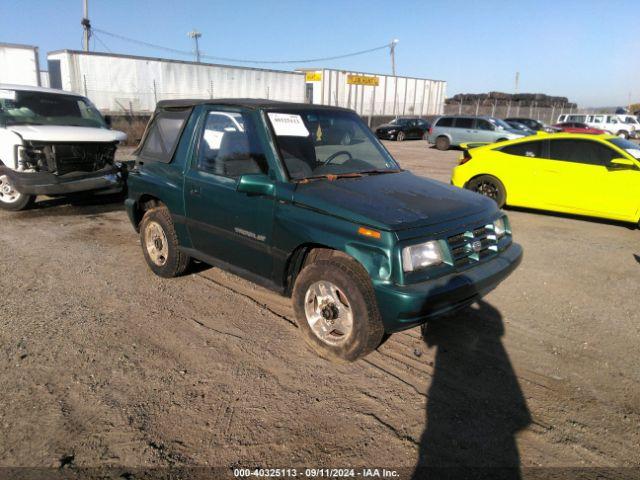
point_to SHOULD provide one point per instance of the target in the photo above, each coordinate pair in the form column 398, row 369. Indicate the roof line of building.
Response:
column 18, row 45
column 168, row 60
column 342, row 70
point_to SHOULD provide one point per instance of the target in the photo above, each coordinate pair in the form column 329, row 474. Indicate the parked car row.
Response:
column 622, row 125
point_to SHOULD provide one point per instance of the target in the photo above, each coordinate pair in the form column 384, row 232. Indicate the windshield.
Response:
column 19, row 107
column 500, row 123
column 631, row 148
column 399, row 121
column 318, row 143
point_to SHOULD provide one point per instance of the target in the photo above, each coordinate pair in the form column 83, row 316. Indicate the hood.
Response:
column 60, row 133
column 387, row 126
column 394, row 201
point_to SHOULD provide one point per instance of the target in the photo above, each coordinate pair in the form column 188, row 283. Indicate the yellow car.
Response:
column 594, row 175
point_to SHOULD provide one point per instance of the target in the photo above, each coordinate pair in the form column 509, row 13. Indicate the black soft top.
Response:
column 254, row 103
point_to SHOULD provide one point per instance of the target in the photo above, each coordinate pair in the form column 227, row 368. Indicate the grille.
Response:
column 472, row 246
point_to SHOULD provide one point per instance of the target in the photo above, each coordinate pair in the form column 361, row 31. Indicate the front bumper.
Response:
column 110, row 178
column 406, row 306
column 384, row 135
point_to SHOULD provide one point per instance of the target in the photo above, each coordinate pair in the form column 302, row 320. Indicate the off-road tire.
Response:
column 484, row 183
column 401, row 136
column 443, row 143
column 176, row 261
column 352, row 279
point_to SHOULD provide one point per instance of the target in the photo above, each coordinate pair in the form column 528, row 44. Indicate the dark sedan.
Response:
column 535, row 125
column 402, row 128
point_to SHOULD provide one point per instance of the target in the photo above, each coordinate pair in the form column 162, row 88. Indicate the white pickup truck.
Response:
column 53, row 142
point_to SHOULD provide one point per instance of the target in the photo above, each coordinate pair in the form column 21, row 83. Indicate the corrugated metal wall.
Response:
column 19, row 64
column 117, row 83
column 392, row 95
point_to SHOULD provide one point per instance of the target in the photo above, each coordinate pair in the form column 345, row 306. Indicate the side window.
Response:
column 482, row 124
column 581, row 151
column 464, row 122
column 526, row 149
column 229, row 146
column 163, row 135
column 445, row 122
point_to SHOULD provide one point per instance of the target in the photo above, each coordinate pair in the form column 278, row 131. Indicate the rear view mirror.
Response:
column 256, row 184
column 623, row 163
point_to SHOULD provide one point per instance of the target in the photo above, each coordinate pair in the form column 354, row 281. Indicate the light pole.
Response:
column 392, row 52
column 196, row 35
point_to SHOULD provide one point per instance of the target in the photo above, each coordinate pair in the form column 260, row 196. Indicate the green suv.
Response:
column 271, row 191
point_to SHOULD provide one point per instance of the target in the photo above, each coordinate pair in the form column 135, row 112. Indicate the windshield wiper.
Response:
column 330, row 177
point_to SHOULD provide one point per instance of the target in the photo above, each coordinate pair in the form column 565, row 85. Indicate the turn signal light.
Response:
column 367, row 232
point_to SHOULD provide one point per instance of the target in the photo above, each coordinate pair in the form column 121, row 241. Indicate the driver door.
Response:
column 231, row 226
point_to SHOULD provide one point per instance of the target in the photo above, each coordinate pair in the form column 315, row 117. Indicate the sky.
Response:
column 587, row 50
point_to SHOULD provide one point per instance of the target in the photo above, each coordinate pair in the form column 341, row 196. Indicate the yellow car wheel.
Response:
column 489, row 186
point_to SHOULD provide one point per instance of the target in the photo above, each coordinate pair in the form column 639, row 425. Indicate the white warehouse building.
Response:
column 126, row 83
column 375, row 95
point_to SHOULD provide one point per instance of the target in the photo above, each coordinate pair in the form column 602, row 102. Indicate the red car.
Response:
column 576, row 127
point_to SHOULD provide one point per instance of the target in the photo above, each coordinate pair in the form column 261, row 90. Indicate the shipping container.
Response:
column 19, row 64
column 375, row 95
column 126, row 83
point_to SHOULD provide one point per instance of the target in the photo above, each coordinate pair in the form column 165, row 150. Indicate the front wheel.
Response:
column 160, row 244
column 336, row 309
column 489, row 187
column 10, row 198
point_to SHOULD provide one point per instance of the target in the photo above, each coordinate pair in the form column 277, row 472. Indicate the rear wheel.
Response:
column 10, row 198
column 489, row 187
column 425, row 135
column 623, row 134
column 160, row 244
column 336, row 309
column 401, row 136
column 442, row 143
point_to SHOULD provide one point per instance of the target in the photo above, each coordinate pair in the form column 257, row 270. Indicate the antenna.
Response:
column 196, row 35
column 86, row 25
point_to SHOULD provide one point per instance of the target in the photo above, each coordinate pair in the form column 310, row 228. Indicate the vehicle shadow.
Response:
column 79, row 204
column 475, row 404
column 584, row 218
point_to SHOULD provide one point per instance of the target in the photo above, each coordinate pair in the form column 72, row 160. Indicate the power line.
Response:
column 239, row 60
column 96, row 37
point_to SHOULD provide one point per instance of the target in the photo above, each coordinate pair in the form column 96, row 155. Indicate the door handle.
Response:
column 194, row 191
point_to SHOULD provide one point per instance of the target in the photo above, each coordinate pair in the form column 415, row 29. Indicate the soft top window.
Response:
column 163, row 134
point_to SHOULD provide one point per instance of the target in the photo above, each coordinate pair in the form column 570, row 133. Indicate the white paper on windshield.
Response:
column 8, row 94
column 288, row 125
column 635, row 152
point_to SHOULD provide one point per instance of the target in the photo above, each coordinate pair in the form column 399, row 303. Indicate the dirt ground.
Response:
column 103, row 364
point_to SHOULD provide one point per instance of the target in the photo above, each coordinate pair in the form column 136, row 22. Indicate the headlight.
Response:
column 391, row 131
column 420, row 256
column 500, row 227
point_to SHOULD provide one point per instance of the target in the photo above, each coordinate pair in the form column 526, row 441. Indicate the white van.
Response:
column 625, row 126
column 53, row 142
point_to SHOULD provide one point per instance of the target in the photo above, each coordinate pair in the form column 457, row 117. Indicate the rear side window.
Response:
column 482, row 124
column 581, row 151
column 445, row 122
column 462, row 122
column 526, row 149
column 163, row 135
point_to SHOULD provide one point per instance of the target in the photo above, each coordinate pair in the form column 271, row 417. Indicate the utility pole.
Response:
column 196, row 35
column 392, row 51
column 86, row 25
column 517, row 81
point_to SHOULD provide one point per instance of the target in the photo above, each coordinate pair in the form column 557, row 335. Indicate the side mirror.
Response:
column 623, row 163
column 107, row 120
column 256, row 184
